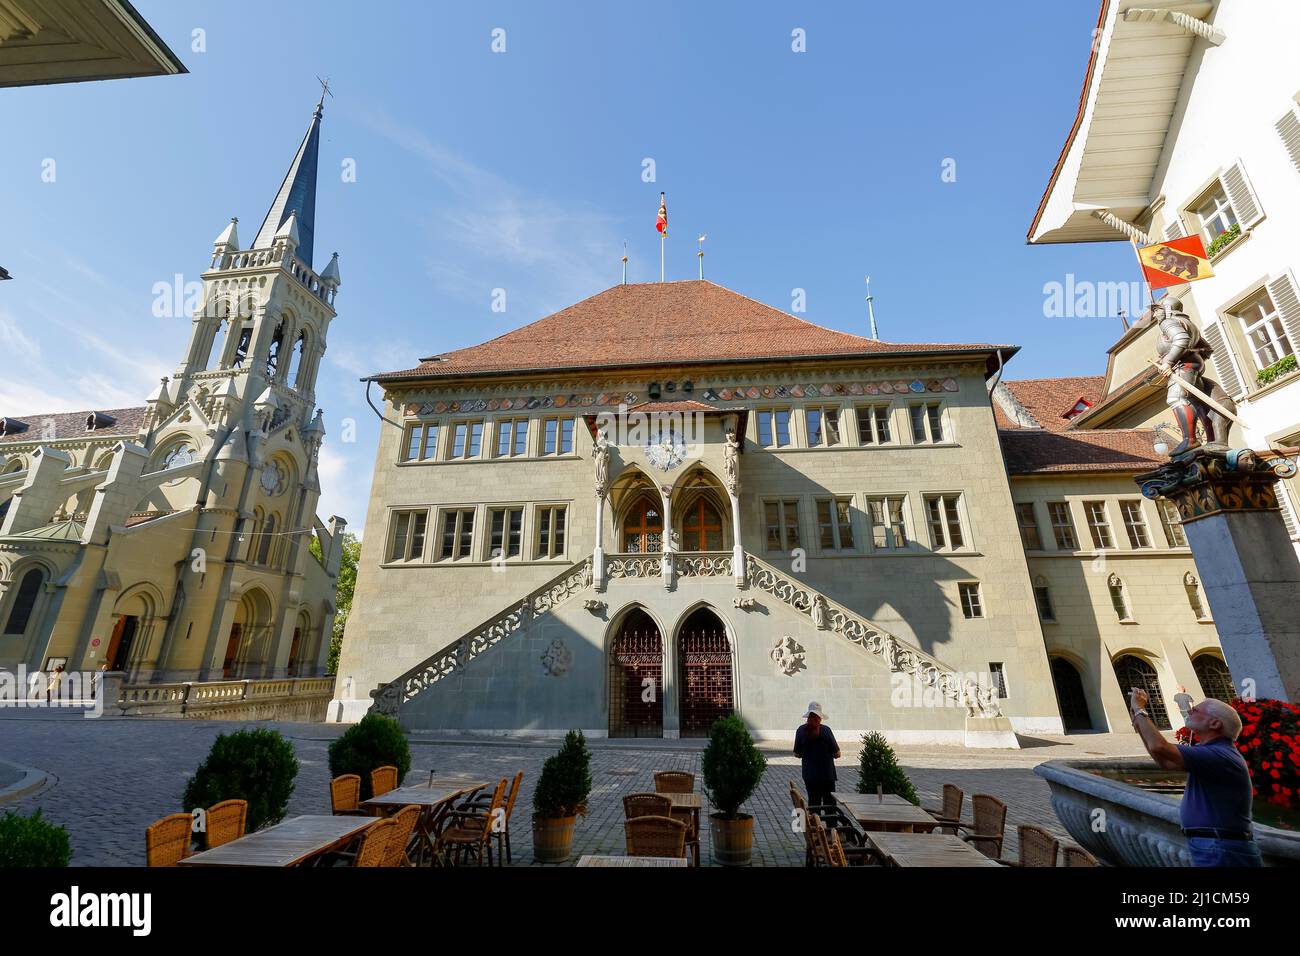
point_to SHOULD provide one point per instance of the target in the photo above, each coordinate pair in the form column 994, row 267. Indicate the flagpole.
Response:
column 625, row 262
column 662, row 236
column 700, row 255
column 871, row 310
column 1142, row 271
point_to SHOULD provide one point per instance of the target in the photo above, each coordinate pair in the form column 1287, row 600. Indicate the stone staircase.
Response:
column 824, row 614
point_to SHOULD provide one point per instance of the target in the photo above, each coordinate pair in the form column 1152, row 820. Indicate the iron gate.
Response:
column 636, row 706
column 706, row 690
column 1132, row 671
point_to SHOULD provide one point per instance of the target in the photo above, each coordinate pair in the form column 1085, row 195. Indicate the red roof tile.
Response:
column 1029, row 451
column 1049, row 399
column 659, row 323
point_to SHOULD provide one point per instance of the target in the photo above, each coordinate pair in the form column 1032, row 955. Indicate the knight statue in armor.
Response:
column 1182, row 354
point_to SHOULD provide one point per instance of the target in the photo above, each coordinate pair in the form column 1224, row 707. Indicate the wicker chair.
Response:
column 674, row 781
column 989, row 828
column 345, row 796
column 225, row 821
column 1037, row 847
column 406, row 819
column 949, row 815
column 655, row 836
column 375, row 843
column 383, row 779
column 480, row 801
column 851, row 838
column 167, row 842
column 1077, row 856
column 646, row 805
column 466, row 832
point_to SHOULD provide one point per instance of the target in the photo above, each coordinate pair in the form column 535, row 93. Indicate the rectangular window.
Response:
column 1098, row 525
column 408, row 535
column 1135, row 524
column 971, row 607
column 421, row 441
column 823, row 427
column 927, row 423
column 457, row 534
column 550, row 532
column 467, row 440
column 1043, row 598
column 888, row 531
column 873, row 425
column 1062, row 526
column 1172, row 522
column 944, row 514
column 781, row 520
column 834, row 524
column 774, row 427
column 998, row 673
column 557, row 436
column 1268, row 338
column 1028, row 526
column 505, row 537
column 1216, row 215
column 512, row 438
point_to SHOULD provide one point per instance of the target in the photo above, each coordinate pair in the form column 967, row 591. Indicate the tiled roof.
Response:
column 1029, row 451
column 687, row 405
column 71, row 425
column 1048, row 399
column 1144, row 380
column 659, row 323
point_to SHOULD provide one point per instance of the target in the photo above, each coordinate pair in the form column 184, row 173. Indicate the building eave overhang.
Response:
column 1130, row 94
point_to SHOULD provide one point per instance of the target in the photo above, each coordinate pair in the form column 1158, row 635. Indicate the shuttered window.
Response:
column 1288, row 127
column 1222, row 360
column 1242, row 196
column 1286, row 298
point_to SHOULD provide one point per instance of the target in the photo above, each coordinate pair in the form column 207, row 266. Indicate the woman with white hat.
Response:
column 815, row 745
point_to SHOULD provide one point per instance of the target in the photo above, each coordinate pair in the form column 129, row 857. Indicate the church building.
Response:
column 671, row 502
column 172, row 541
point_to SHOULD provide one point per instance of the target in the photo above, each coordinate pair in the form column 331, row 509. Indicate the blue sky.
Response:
column 523, row 171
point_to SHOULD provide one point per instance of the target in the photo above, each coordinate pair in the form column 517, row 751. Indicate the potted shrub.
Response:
column 879, row 767
column 374, row 741
column 561, row 795
column 32, row 842
column 732, row 768
column 254, row 765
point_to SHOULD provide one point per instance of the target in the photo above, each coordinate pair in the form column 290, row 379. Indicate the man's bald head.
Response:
column 1228, row 718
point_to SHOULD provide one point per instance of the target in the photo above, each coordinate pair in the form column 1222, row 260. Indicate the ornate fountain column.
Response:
column 600, row 456
column 667, row 563
column 1245, row 559
column 731, row 475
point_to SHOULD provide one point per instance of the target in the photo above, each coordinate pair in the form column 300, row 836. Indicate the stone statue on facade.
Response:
column 731, row 459
column 387, row 699
column 1181, row 354
column 600, row 455
column 819, row 612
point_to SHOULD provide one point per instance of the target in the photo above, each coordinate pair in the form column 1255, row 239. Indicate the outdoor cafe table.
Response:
column 431, row 799
column 874, row 815
column 687, row 805
column 593, row 859
column 927, row 849
column 289, row 843
column 871, row 798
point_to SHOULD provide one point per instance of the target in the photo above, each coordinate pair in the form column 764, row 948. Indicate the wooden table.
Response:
column 592, row 859
column 433, row 800
column 288, row 843
column 687, row 806
column 846, row 799
column 927, row 849
column 905, row 817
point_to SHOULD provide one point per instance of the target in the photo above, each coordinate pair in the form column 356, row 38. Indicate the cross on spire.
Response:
column 324, row 88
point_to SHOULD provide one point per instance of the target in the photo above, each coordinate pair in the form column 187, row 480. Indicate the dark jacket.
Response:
column 818, row 754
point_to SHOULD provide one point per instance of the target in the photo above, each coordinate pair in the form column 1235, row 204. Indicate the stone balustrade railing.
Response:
column 277, row 254
column 290, row 698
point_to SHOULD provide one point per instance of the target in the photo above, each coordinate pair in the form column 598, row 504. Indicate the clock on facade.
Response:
column 666, row 453
column 273, row 478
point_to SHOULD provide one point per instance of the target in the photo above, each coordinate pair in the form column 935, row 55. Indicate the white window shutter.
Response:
column 1288, row 127
column 1288, row 510
column 1175, row 229
column 1244, row 201
column 1286, row 299
column 1222, row 360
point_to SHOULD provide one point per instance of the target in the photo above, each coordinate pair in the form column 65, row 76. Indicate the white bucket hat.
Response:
column 815, row 708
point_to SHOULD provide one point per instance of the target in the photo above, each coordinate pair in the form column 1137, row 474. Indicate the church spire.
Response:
column 297, row 195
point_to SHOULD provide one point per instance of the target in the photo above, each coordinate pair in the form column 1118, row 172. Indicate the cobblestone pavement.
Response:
column 111, row 778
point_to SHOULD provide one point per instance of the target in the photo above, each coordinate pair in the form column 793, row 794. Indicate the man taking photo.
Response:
column 1215, row 811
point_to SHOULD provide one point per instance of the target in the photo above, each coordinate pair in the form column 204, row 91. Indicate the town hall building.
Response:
column 671, row 502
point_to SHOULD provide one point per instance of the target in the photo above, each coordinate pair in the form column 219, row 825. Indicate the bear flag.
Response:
column 1175, row 262
column 661, row 222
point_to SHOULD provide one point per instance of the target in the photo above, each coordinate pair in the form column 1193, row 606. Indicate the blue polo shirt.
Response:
column 1218, row 787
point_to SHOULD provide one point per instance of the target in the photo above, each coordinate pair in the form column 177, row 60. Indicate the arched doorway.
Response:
column 1216, row 680
column 701, row 526
column 1133, row 671
column 252, row 618
column 643, row 527
column 636, row 669
column 705, row 672
column 1070, row 697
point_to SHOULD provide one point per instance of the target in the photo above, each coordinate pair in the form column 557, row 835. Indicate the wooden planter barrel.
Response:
column 733, row 840
column 552, row 838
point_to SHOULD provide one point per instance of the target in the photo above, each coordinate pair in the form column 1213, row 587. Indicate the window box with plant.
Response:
column 1223, row 240
column 561, row 795
column 732, row 768
column 1279, row 369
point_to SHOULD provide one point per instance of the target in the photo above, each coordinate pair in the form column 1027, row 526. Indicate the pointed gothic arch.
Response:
column 636, row 663
column 706, row 668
